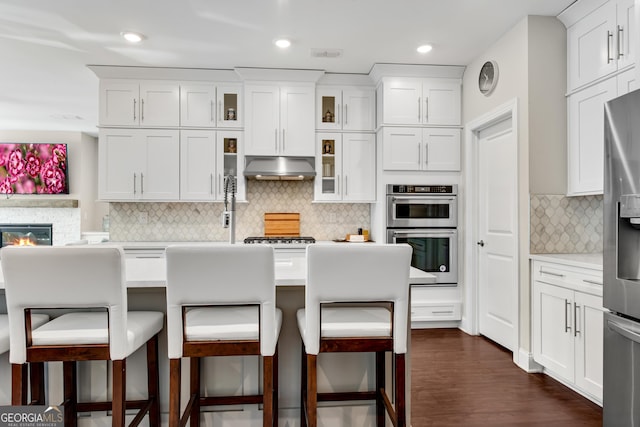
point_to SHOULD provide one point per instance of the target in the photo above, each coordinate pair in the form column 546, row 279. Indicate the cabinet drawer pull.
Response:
column 593, row 282
column 567, row 328
column 620, row 39
column 609, row 41
column 576, row 312
column 551, row 273
column 443, row 312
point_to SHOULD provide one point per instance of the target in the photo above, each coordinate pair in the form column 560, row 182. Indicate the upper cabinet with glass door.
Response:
column 208, row 105
column 351, row 109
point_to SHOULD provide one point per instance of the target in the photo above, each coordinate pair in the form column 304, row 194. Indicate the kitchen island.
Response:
column 145, row 276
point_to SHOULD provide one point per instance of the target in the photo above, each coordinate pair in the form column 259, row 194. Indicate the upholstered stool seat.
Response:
column 88, row 284
column 359, row 304
column 221, row 302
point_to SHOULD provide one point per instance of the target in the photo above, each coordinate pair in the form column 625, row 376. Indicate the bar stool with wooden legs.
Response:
column 221, row 302
column 35, row 370
column 356, row 300
column 89, row 284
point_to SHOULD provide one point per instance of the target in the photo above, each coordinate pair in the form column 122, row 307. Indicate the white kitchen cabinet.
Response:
column 206, row 157
column 279, row 120
column 416, row 101
column 133, row 103
column 346, row 166
column 345, row 109
column 567, row 325
column 210, row 105
column 601, row 42
column 139, row 164
column 585, row 149
column 421, row 149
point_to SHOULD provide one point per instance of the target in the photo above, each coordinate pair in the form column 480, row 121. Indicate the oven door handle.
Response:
column 424, row 233
column 422, row 199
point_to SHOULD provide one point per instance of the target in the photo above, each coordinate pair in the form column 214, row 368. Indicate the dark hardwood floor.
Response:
column 463, row 380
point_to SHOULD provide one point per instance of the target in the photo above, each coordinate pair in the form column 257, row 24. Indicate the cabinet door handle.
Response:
column 346, row 185
column 283, row 146
column 134, row 184
column 142, row 110
column 551, row 273
column 426, row 109
column 620, row 39
column 211, row 178
column 220, row 182
column 134, row 110
column 576, row 312
column 419, row 116
column 338, row 184
column 609, row 41
column 338, row 114
column 212, row 115
column 567, row 328
column 276, row 139
column 419, row 153
column 426, row 154
column 141, row 183
column 346, row 114
column 220, row 110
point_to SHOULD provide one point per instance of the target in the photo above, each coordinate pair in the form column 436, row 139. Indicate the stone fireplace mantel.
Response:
column 44, row 203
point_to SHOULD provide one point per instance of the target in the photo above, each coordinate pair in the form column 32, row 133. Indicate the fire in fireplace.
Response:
column 26, row 234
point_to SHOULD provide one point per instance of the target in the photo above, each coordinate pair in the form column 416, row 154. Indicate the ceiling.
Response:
column 46, row 45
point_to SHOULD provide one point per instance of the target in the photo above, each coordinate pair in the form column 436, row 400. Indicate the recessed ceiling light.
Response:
column 282, row 43
column 424, row 48
column 132, row 37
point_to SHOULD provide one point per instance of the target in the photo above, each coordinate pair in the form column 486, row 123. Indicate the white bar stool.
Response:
column 221, row 302
column 89, row 283
column 36, row 369
column 373, row 283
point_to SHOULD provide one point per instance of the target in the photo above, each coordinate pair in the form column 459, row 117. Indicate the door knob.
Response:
column 480, row 243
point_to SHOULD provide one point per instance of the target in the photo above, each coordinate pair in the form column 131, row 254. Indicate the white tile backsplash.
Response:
column 201, row 221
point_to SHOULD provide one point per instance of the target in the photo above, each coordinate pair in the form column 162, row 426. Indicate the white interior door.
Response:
column 497, row 233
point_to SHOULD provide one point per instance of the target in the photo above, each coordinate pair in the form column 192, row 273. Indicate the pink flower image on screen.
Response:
column 33, row 168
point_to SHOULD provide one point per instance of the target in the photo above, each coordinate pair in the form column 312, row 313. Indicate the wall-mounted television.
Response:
column 33, row 168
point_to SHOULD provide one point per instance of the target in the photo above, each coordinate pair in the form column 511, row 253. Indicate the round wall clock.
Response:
column 488, row 77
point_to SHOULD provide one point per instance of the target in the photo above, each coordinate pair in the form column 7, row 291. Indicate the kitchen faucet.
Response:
column 229, row 215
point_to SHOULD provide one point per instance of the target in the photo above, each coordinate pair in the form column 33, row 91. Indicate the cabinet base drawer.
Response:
column 441, row 311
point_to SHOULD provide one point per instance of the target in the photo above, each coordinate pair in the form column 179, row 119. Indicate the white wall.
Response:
column 531, row 60
column 82, row 157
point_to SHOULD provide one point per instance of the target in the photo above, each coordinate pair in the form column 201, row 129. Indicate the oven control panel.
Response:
column 421, row 189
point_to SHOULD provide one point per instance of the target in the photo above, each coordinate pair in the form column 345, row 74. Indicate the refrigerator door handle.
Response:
column 615, row 327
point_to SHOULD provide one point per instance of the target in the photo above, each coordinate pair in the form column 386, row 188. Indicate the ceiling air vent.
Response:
column 326, row 53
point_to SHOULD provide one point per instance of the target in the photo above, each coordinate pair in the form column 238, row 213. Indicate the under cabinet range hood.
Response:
column 279, row 168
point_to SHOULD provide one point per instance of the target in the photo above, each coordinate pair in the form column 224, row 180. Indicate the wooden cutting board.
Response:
column 281, row 224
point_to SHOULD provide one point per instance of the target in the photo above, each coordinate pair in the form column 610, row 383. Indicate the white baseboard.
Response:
column 526, row 363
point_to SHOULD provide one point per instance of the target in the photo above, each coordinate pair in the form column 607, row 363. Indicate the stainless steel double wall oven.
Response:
column 426, row 217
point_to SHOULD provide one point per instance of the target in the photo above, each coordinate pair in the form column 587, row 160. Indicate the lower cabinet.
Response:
column 567, row 323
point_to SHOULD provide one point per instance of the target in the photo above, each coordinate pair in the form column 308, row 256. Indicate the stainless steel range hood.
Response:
column 279, row 168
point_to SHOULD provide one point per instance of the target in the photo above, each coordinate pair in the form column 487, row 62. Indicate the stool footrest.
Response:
column 354, row 395
column 230, row 400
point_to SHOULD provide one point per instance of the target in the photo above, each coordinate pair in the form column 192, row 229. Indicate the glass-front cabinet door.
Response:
column 328, row 106
column 230, row 162
column 328, row 167
column 230, row 113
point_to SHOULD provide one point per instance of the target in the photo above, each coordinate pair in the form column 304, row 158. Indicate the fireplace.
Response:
column 26, row 234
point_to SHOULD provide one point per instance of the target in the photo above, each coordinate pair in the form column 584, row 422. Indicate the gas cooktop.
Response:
column 280, row 240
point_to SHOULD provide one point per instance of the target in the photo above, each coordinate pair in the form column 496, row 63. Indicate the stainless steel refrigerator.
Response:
column 621, row 402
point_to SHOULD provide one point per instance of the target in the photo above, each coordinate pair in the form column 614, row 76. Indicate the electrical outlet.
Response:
column 143, row 217
column 333, row 218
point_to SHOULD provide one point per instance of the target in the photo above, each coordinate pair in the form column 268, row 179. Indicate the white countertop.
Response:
column 592, row 261
column 150, row 272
